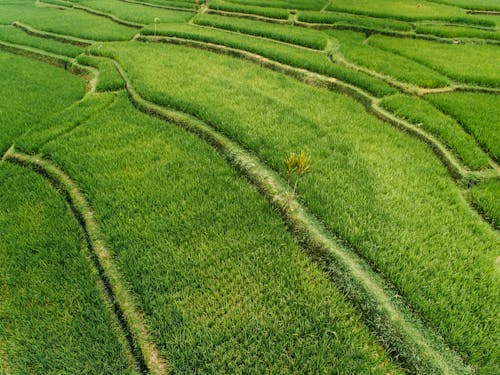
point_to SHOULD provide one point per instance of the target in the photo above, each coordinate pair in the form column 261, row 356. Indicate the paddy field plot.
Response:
column 147, row 219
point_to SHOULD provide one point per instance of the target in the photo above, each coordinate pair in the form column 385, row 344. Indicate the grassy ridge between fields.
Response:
column 222, row 284
column 485, row 195
column 43, row 328
column 368, row 185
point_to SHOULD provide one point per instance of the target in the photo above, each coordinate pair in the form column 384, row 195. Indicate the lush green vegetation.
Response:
column 458, row 61
column 297, row 57
column 387, row 202
column 222, row 284
column 290, row 34
column 287, row 4
column 478, row 113
column 485, row 195
column 14, row 35
column 30, row 90
column 353, row 47
column 447, row 31
column 424, row 114
column 255, row 10
column 137, row 13
column 472, row 4
column 53, row 318
column 108, row 78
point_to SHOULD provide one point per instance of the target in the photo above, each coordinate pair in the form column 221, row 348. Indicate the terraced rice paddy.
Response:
column 147, row 219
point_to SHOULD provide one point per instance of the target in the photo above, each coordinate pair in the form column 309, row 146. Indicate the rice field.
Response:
column 249, row 186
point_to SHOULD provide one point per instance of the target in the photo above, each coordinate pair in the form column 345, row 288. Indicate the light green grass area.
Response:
column 446, row 31
column 457, row 61
column 478, row 113
column 287, row 4
column 248, row 9
column 14, row 35
column 137, row 13
column 472, row 4
column 353, row 48
column 109, row 78
column 29, row 91
column 53, row 318
column 355, row 21
column 424, row 114
column 406, row 10
column 289, row 34
column 486, row 196
column 380, row 190
column 221, row 282
column 72, row 22
column 296, row 57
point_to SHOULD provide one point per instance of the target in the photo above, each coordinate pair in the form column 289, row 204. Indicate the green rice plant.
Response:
column 447, row 31
column 108, row 78
column 486, row 196
column 472, row 4
column 53, row 315
column 221, row 282
column 381, row 191
column 248, row 9
column 457, row 61
column 408, row 10
column 424, row 114
column 353, row 48
column 355, row 21
column 285, row 33
column 137, row 13
column 29, row 91
column 181, row 4
column 314, row 61
column 16, row 36
column 297, row 165
column 478, row 113
column 287, row 4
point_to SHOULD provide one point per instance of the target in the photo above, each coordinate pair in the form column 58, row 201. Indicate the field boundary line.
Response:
column 110, row 16
column 159, row 6
column 59, row 37
column 455, row 168
column 402, row 333
column 124, row 304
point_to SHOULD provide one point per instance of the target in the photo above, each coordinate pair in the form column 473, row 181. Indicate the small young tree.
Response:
column 156, row 20
column 297, row 165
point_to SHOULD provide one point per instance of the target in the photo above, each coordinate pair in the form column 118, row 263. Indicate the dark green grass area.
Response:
column 376, row 187
column 53, row 318
column 287, row 4
column 137, row 13
column 354, row 48
column 408, row 10
column 486, row 196
column 248, row 9
column 67, row 21
column 457, row 61
column 353, row 20
column 424, row 114
column 478, row 113
column 109, row 78
column 472, row 4
column 285, row 33
column 297, row 57
column 14, row 35
column 29, row 91
column 221, row 282
column 447, row 31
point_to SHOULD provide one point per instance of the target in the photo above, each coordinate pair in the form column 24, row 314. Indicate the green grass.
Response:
column 352, row 20
column 137, row 13
column 248, row 9
column 407, row 10
column 297, row 57
column 185, row 4
column 221, row 282
column 486, row 196
column 446, row 31
column 53, row 318
column 16, row 36
column 29, row 91
column 457, row 61
column 109, row 78
column 424, row 114
column 353, row 48
column 478, row 113
column 287, row 4
column 383, row 192
column 290, row 34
